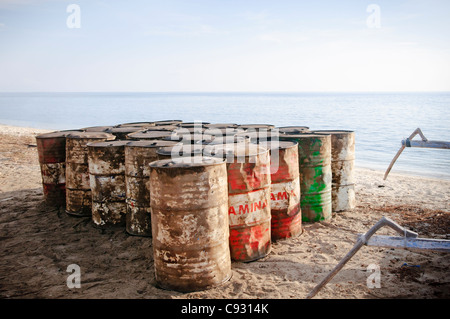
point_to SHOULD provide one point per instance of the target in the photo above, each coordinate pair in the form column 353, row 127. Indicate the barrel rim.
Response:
column 150, row 143
column 56, row 134
column 90, row 135
column 113, row 143
column 333, row 132
column 181, row 163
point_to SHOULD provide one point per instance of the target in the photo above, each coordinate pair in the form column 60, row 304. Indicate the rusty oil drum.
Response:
column 190, row 224
column 249, row 184
column 342, row 166
column 51, row 149
column 107, row 181
column 179, row 150
column 314, row 152
column 285, row 189
column 138, row 156
column 78, row 189
column 149, row 134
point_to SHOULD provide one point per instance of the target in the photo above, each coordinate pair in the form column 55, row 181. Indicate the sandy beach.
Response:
column 38, row 243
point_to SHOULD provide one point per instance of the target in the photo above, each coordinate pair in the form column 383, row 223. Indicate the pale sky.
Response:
column 227, row 45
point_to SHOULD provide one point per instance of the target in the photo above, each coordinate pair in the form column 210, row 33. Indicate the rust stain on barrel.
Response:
column 78, row 191
column 248, row 168
column 51, row 149
column 190, row 224
column 342, row 165
column 107, row 181
column 138, row 156
column 285, row 189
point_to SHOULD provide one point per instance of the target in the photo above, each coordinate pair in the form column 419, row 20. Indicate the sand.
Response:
column 38, row 243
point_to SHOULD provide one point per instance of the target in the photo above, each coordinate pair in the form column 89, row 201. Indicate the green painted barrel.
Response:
column 314, row 152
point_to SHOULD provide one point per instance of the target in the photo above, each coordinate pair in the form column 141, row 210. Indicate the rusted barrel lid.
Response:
column 107, row 144
column 151, row 143
column 91, row 135
column 235, row 149
column 293, row 129
column 138, row 124
column 333, row 132
column 281, row 145
column 229, row 139
column 56, row 134
column 98, row 129
column 223, row 131
column 188, row 130
column 221, row 125
column 161, row 128
column 256, row 127
column 193, row 124
column 190, row 138
column 180, row 162
column 126, row 129
column 149, row 135
column 260, row 135
column 168, row 122
column 181, row 150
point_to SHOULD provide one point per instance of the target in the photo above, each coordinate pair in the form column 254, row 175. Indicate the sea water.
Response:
column 380, row 120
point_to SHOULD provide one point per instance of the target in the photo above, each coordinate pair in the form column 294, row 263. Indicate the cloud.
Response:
column 184, row 30
column 283, row 37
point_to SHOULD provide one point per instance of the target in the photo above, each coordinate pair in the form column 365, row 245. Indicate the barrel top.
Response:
column 181, row 149
column 127, row 129
column 293, row 129
column 249, row 126
column 56, row 134
column 143, row 124
column 168, row 122
column 236, row 149
column 97, row 128
column 181, row 162
column 117, row 143
column 303, row 135
column 278, row 144
column 221, row 125
column 91, row 135
column 150, row 143
column 161, row 128
column 333, row 132
column 147, row 134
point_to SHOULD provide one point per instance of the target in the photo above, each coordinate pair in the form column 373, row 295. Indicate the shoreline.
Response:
column 40, row 242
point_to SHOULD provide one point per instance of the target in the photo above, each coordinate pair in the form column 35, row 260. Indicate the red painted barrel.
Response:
column 285, row 189
column 52, row 160
column 248, row 169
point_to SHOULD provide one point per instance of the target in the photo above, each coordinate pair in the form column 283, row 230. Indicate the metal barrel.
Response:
column 190, row 224
column 261, row 135
column 190, row 138
column 78, row 189
column 51, row 149
column 183, row 151
column 342, row 166
column 137, row 124
column 285, row 189
column 256, row 127
column 149, row 135
column 138, row 156
column 314, row 152
column 107, row 180
column 121, row 132
column 168, row 122
column 161, row 128
column 293, row 129
column 105, row 129
column 221, row 125
column 193, row 124
column 248, row 168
